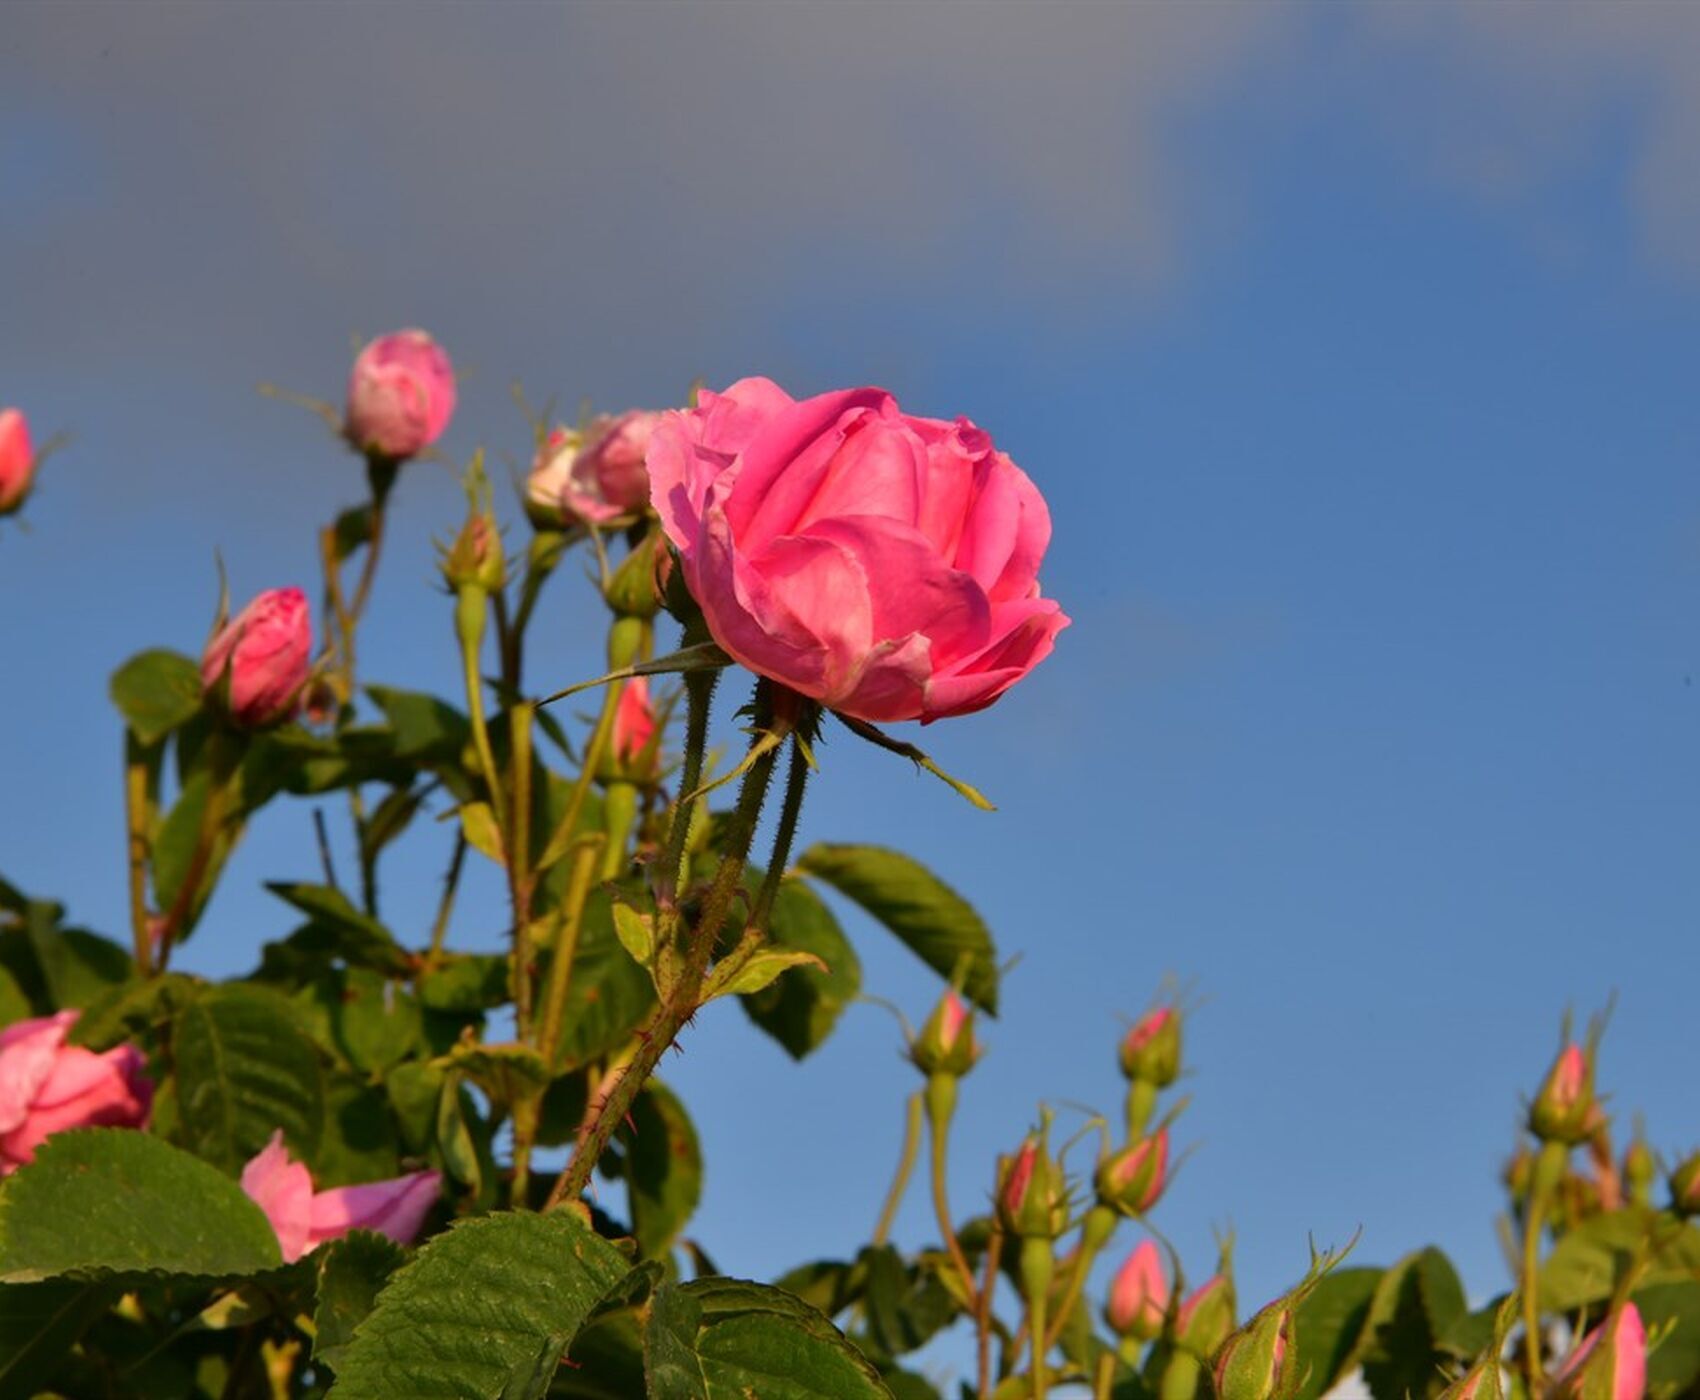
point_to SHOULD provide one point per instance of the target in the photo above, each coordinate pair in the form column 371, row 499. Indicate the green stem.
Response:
column 905, row 1168
column 445, row 906
column 517, row 847
column 796, row 779
column 137, row 805
column 222, row 755
column 469, row 627
column 1036, row 1267
column 1180, row 1377
column 1095, row 1231
column 1102, row 1384
column 671, row 1014
column 566, row 948
column 941, row 1108
column 699, row 698
column 1141, row 1104
column 544, row 554
column 619, row 815
column 1549, row 1171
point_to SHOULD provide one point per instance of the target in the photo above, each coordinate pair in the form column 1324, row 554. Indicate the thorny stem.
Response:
column 683, row 1000
column 905, row 1168
column 445, row 906
column 796, row 779
column 699, row 696
column 136, row 804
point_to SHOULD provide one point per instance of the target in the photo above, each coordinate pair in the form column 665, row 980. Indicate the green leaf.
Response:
column 636, row 933
column 929, row 917
column 1327, row 1328
column 744, row 973
column 670, row 1365
column 466, row 982
column 663, row 1168
column 478, row 825
column 1585, row 1265
column 77, row 967
column 906, row 1306
column 752, row 1339
column 245, row 1069
column 1673, row 1309
column 368, row 1020
column 454, row 1135
column 1415, row 1304
column 359, row 1142
column 156, row 691
column 14, row 1001
column 425, row 728
column 128, row 1008
column 114, row 1202
column 506, row 1073
column 352, row 1272
column 609, row 994
column 352, row 936
column 39, row 1324
column 476, row 1305
column 801, row 1008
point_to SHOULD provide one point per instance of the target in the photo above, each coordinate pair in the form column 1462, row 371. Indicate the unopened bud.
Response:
column 546, row 482
column 17, row 460
column 1139, row 1295
column 401, row 395
column 1252, row 1363
column 634, row 744
column 945, row 1042
column 1483, row 1381
column 256, row 666
column 1685, row 1186
column 1032, row 1193
column 1151, row 1050
column 1133, row 1179
column 1609, row 1364
column 635, row 588
column 475, row 558
column 1564, row 1110
column 1206, row 1316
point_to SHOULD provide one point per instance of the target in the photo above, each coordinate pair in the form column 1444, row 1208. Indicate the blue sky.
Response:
column 1353, row 348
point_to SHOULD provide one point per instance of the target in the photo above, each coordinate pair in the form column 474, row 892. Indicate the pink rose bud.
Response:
column 304, row 1218
column 256, row 666
column 1251, row 1364
column 1033, row 1193
column 1685, row 1186
column 634, row 727
column 546, row 483
column 1151, row 1051
column 945, row 1042
column 1206, row 1316
column 1139, row 1295
column 1610, row 1364
column 401, row 395
column 1133, row 1179
column 607, row 480
column 47, row 1086
column 17, row 460
column 1564, row 1111
column 883, row 564
column 1480, row 1382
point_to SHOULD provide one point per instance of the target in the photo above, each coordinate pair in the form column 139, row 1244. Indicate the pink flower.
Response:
column 1146, row 1028
column 305, row 1219
column 17, row 460
column 608, row 479
column 634, row 721
column 1139, row 1294
column 1610, row 1363
column 546, row 483
column 264, row 650
column 401, row 395
column 883, row 564
column 1020, row 1178
column 47, row 1086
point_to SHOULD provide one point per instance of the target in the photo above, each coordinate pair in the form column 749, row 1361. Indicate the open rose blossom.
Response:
column 266, row 649
column 401, row 395
column 883, row 564
column 17, row 460
column 47, row 1086
column 305, row 1218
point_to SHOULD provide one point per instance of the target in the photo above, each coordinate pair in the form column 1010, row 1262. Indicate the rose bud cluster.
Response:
column 1609, row 1364
column 47, row 1086
column 17, row 460
column 401, row 395
column 883, row 564
column 256, row 666
column 304, row 1218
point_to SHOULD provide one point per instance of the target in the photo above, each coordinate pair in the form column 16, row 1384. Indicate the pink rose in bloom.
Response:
column 883, row 564
column 608, row 479
column 47, row 1086
column 401, row 395
column 1610, row 1364
column 305, row 1218
column 265, row 650
column 17, row 460
column 1139, row 1294
column 634, row 721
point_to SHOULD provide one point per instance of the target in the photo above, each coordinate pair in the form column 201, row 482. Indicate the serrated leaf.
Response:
column 928, row 917
column 800, row 1009
column 477, row 1304
column 505, row 1072
column 359, row 1141
column 129, row 1007
column 1585, row 1265
column 366, row 1019
column 1415, row 1304
column 423, row 727
column 466, row 982
column 663, row 1168
column 352, row 1272
column 156, row 691
column 743, row 973
column 344, row 931
column 905, row 1306
column 245, row 1069
column 609, row 994
column 756, row 1340
column 670, row 1366
column 117, row 1203
column 636, row 933
column 77, row 967
column 1327, row 1328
